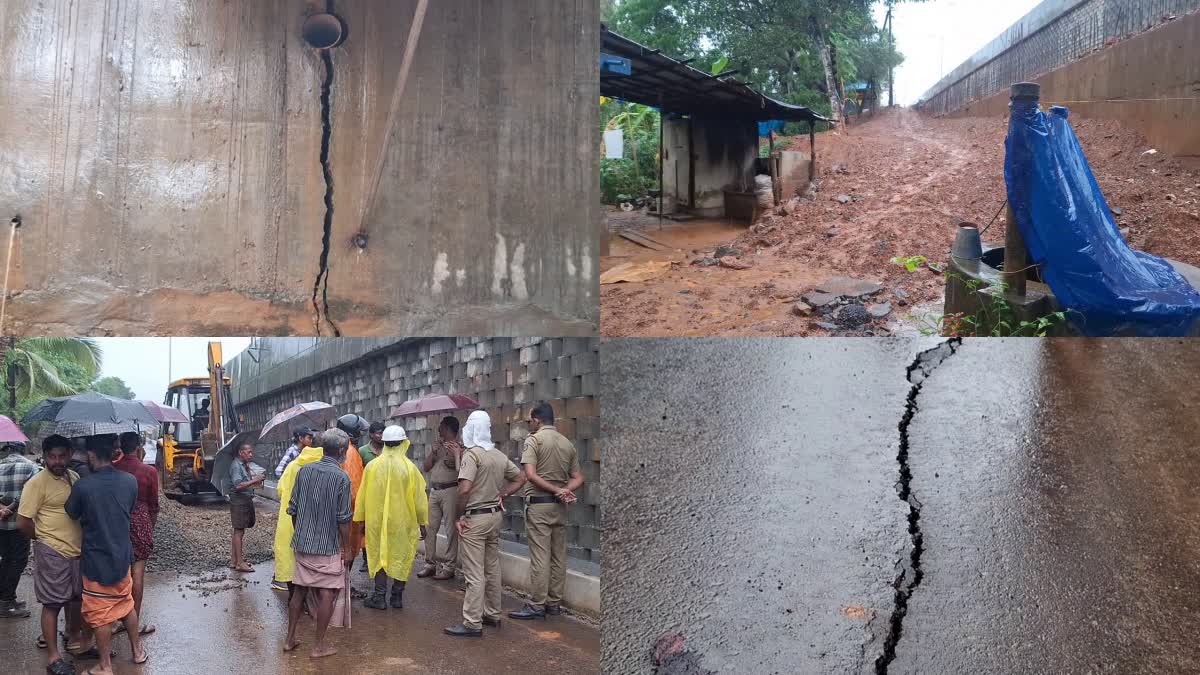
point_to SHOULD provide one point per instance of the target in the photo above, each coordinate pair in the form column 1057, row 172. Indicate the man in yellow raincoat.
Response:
column 393, row 505
column 285, row 558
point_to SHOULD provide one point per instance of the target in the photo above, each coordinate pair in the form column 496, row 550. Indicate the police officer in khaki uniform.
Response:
column 552, row 469
column 442, row 467
column 485, row 478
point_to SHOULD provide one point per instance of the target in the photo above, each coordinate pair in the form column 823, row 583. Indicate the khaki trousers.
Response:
column 546, row 529
column 479, row 555
column 441, row 518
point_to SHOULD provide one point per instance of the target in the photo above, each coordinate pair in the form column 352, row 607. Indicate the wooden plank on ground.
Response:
column 642, row 240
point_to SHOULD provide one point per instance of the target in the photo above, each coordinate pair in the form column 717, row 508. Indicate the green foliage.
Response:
column 995, row 318
column 636, row 173
column 44, row 367
column 775, row 45
column 911, row 263
column 112, row 386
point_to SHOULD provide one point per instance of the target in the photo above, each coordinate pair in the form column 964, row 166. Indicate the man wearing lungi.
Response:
column 56, row 545
column 145, row 517
column 320, row 509
column 103, row 504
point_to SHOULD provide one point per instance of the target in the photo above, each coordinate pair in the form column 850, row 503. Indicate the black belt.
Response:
column 443, row 486
column 482, row 510
column 546, row 499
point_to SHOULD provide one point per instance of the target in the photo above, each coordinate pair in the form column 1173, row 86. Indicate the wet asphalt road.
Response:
column 239, row 628
column 1062, row 527
column 753, row 511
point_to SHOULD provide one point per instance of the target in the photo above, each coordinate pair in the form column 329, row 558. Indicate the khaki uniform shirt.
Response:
column 489, row 471
column 552, row 454
column 444, row 467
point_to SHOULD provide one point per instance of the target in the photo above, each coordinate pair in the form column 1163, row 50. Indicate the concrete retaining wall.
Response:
column 170, row 151
column 1150, row 82
column 1054, row 33
column 370, row 376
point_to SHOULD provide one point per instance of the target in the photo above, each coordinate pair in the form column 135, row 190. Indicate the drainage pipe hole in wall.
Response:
column 324, row 31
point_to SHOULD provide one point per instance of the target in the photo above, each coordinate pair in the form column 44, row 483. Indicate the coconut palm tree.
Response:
column 30, row 368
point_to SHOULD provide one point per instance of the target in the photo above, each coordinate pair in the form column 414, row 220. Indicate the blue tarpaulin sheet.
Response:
column 1108, row 288
column 765, row 128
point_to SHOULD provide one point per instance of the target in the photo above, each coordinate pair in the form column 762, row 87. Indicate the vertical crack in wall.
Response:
column 320, row 296
column 910, row 574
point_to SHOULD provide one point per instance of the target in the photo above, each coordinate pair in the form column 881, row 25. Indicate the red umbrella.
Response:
column 10, row 432
column 164, row 413
column 431, row 404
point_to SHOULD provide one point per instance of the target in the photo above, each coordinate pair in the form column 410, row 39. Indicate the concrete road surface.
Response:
column 209, row 624
column 1026, row 505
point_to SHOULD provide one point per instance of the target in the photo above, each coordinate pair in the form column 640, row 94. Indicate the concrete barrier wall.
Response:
column 1054, row 33
column 1130, row 60
column 370, row 377
column 1150, row 82
column 165, row 159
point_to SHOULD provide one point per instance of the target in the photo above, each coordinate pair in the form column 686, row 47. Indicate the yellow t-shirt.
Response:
column 43, row 501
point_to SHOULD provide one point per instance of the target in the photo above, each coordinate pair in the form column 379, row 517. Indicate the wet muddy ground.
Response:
column 895, row 186
column 1026, row 504
column 217, row 621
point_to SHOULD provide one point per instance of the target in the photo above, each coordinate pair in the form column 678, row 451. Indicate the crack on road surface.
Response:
column 911, row 574
column 320, row 297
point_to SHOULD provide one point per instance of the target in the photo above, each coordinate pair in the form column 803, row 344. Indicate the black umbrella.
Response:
column 90, row 414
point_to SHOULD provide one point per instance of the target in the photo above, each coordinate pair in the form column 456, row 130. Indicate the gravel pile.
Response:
column 194, row 538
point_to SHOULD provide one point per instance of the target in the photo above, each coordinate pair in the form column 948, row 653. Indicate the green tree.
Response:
column 800, row 51
column 112, row 386
column 38, row 367
column 636, row 173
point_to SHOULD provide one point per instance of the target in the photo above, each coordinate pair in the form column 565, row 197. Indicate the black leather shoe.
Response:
column 462, row 631
column 553, row 610
column 397, row 601
column 491, row 622
column 526, row 613
column 376, row 601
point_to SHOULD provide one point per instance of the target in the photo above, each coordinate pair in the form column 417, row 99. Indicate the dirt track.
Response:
column 911, row 178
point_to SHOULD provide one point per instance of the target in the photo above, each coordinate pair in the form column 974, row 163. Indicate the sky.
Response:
column 936, row 36
column 142, row 362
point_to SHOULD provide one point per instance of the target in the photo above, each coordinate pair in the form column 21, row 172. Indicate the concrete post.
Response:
column 812, row 150
column 662, row 159
column 1015, row 254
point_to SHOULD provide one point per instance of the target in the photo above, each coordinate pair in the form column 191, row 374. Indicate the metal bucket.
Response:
column 967, row 244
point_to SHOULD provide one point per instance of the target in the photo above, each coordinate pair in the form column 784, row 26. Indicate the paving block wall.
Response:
column 1054, row 34
column 506, row 375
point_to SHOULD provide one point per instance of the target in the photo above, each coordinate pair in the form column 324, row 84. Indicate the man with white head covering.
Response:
column 485, row 478
column 395, row 510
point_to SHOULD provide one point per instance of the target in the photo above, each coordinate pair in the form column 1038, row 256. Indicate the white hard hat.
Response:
column 394, row 434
